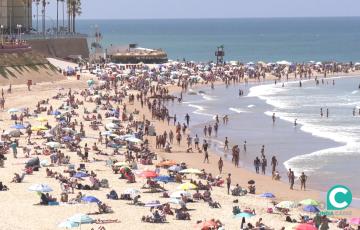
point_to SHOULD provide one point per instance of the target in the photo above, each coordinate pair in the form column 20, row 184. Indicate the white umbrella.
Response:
column 40, row 188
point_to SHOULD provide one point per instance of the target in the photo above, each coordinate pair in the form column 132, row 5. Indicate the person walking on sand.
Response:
column 292, row 180
column 228, row 183
column 196, row 141
column 226, row 144
column 14, row 148
column 303, row 179
column 206, row 157
column 220, row 165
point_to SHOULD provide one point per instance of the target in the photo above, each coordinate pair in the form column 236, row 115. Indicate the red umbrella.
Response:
column 148, row 174
column 305, row 227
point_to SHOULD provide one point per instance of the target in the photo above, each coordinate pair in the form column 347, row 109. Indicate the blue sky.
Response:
column 135, row 9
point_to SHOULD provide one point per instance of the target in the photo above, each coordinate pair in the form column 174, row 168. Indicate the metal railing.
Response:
column 52, row 36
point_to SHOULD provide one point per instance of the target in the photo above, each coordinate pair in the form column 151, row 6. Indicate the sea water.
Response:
column 327, row 149
column 266, row 39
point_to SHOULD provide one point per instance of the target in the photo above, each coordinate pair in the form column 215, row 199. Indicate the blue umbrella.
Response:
column 18, row 126
column 56, row 113
column 311, row 208
column 244, row 214
column 267, row 195
column 90, row 199
column 164, row 178
column 80, row 175
column 67, row 138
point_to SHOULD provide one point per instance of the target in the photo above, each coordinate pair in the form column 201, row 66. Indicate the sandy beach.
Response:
column 18, row 203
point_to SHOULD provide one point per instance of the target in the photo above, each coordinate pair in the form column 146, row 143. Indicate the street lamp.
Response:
column 18, row 26
column 2, row 34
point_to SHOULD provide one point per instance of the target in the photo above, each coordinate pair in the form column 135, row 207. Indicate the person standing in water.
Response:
column 273, row 118
column 257, row 164
column 327, row 112
column 245, row 146
column 321, row 112
column 303, row 179
column 292, row 180
column 187, row 118
column 226, row 144
column 274, row 163
column 263, row 165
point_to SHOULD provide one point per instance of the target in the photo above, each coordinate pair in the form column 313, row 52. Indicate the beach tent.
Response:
column 18, row 126
column 153, row 204
column 40, row 188
column 134, row 140
column 13, row 133
column 175, row 168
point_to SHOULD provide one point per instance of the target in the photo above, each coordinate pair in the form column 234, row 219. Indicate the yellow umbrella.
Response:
column 38, row 128
column 187, row 186
column 42, row 119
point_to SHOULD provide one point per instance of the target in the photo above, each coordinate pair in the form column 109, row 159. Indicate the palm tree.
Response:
column 37, row 2
column 74, row 9
column 44, row 3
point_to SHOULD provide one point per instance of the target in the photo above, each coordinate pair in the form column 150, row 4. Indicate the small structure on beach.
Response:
column 135, row 54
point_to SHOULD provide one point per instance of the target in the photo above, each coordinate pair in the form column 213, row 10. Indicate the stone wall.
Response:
column 61, row 47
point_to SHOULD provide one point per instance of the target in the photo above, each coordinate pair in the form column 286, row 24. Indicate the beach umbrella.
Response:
column 311, row 208
column 53, row 144
column 244, row 214
column 286, row 204
column 40, row 188
column 90, row 199
column 152, row 204
column 305, row 227
column 121, row 163
column 80, row 175
column 111, row 126
column 175, row 168
column 13, row 133
column 132, row 192
column 13, row 110
column 187, row 186
column 251, row 182
column 38, row 128
column 191, row 171
column 267, row 195
column 167, row 163
column 56, row 113
column 67, row 138
column 309, row 202
column 106, row 133
column 68, row 224
column 42, row 119
column 18, row 126
column 148, row 174
column 355, row 221
column 90, row 82
column 134, row 140
column 176, row 201
column 164, row 178
column 81, row 219
column 178, row 194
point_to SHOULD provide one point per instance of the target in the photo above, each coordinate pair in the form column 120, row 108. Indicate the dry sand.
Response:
column 19, row 211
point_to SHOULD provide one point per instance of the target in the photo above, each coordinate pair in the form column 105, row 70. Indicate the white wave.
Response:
column 237, row 110
column 355, row 92
column 251, row 106
column 199, row 110
column 208, row 98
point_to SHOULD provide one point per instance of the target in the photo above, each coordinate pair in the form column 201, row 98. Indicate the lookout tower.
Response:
column 220, row 53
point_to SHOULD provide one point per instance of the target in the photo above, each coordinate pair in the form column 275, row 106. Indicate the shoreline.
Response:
column 249, row 174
